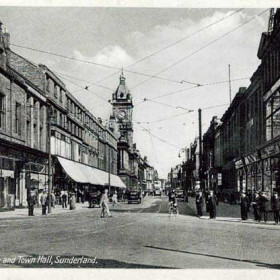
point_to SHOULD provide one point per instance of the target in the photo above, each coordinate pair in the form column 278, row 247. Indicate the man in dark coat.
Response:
column 275, row 206
column 31, row 202
column 244, row 202
column 256, row 207
column 212, row 205
column 199, row 204
column 263, row 206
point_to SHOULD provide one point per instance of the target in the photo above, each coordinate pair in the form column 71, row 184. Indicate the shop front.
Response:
column 77, row 178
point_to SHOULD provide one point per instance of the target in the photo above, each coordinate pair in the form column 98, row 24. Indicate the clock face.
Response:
column 121, row 115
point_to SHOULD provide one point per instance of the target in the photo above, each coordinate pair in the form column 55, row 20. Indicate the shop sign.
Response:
column 238, row 164
column 219, row 179
column 7, row 173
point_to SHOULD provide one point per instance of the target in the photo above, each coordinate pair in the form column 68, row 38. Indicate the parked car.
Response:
column 134, row 196
column 157, row 192
column 94, row 199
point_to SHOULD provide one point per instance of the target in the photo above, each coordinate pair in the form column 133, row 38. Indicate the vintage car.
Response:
column 94, row 199
column 179, row 194
column 134, row 196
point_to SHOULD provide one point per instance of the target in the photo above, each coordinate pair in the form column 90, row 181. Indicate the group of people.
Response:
column 260, row 206
column 32, row 201
column 211, row 202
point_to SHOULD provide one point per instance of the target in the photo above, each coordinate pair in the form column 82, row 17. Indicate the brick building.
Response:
column 84, row 151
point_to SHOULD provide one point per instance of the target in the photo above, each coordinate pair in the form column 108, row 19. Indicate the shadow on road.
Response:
column 62, row 261
column 260, row 264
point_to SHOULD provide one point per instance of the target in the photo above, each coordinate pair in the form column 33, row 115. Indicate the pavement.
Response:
column 228, row 212
column 137, row 236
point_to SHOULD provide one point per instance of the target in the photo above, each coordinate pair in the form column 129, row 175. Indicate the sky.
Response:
column 119, row 37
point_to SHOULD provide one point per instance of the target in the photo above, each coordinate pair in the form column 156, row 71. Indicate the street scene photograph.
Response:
column 144, row 138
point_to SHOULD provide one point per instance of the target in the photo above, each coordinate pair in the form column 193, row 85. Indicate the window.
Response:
column 273, row 116
column 61, row 95
column 48, row 85
column 17, row 118
column 2, row 111
column 56, row 89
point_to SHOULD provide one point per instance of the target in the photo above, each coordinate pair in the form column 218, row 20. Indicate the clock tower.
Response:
column 122, row 112
column 122, row 125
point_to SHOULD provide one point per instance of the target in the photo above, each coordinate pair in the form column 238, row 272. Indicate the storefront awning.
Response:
column 85, row 174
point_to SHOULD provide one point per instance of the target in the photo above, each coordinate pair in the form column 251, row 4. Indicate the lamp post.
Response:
column 50, row 181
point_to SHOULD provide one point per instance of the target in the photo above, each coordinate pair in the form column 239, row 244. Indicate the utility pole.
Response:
column 49, row 117
column 109, row 171
column 200, row 147
column 229, row 83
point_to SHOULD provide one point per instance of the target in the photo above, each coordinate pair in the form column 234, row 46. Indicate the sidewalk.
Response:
column 227, row 212
column 23, row 212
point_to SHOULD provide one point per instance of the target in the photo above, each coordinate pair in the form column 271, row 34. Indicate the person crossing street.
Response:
column 104, row 204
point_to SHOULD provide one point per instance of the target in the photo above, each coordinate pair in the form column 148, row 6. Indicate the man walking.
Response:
column 31, row 202
column 244, row 202
column 256, row 207
column 104, row 204
column 212, row 205
column 199, row 204
column 263, row 207
column 275, row 206
column 44, row 201
column 64, row 200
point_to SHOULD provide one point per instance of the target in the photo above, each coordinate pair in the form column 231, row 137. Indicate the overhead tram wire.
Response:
column 190, row 88
column 140, row 60
column 174, row 116
column 171, row 45
column 95, row 63
column 200, row 49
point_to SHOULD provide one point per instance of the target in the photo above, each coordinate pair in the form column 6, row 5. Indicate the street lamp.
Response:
column 49, row 118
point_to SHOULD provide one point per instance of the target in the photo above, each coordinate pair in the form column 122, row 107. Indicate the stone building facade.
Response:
column 31, row 97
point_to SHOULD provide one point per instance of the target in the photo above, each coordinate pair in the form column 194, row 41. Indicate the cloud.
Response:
column 113, row 56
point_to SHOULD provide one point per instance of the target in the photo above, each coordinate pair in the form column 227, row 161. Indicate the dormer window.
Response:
column 121, row 95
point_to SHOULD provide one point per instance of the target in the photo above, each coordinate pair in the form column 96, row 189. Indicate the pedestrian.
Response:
column 244, row 201
column 212, row 205
column 115, row 198
column 263, row 207
column 64, row 200
column 83, row 196
column 104, row 204
column 52, row 199
column 44, row 201
column 206, row 195
column 199, row 204
column 249, row 195
column 256, row 207
column 275, row 206
column 31, row 200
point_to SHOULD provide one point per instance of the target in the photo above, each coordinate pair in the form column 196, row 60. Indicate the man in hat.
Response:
column 263, row 206
column 199, row 203
column 275, row 206
column 244, row 202
column 256, row 207
column 44, row 202
column 31, row 202
column 212, row 204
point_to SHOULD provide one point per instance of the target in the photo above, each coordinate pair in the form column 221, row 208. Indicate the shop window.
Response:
column 2, row 111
